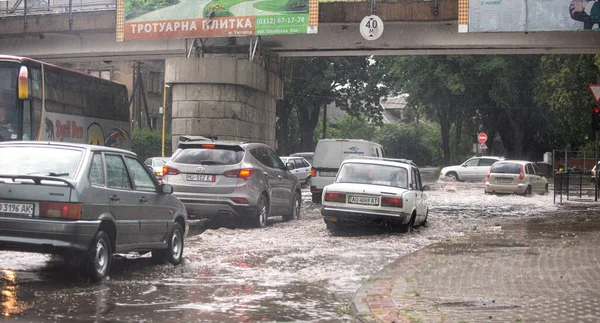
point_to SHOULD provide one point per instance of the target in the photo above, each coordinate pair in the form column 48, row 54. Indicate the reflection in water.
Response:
column 10, row 305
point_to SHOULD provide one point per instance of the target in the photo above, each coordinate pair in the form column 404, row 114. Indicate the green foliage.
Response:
column 147, row 143
column 271, row 6
column 351, row 127
column 353, row 83
column 411, row 142
column 220, row 8
column 135, row 8
column 297, row 5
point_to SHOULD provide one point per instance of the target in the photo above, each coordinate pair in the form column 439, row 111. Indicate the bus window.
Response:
column 35, row 100
column 27, row 127
column 9, row 125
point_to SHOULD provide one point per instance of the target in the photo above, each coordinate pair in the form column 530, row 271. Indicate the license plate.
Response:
column 16, row 208
column 327, row 174
column 200, row 178
column 503, row 181
column 365, row 200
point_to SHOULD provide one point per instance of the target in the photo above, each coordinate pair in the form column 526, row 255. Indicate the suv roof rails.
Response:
column 401, row 160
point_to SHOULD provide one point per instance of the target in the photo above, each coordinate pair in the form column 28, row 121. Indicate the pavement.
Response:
column 542, row 269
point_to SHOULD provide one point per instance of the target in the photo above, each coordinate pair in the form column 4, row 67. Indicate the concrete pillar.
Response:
column 229, row 98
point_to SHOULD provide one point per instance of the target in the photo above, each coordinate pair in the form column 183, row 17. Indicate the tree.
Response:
column 353, row 83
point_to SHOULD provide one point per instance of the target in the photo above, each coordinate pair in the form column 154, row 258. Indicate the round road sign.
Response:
column 482, row 137
column 371, row 27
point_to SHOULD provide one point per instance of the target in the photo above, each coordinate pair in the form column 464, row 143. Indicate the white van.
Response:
column 328, row 157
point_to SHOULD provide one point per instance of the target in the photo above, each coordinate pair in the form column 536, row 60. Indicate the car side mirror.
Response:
column 290, row 166
column 426, row 188
column 166, row 189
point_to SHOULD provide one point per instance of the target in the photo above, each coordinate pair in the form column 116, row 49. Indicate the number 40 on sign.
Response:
column 371, row 27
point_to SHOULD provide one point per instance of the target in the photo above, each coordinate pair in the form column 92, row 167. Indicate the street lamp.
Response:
column 163, row 110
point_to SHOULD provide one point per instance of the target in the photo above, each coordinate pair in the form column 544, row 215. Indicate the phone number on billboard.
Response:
column 279, row 21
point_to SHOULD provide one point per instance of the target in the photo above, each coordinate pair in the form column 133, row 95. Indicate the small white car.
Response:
column 474, row 169
column 301, row 168
column 376, row 190
column 515, row 177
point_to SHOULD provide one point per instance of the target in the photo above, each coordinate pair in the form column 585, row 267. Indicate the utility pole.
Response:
column 324, row 120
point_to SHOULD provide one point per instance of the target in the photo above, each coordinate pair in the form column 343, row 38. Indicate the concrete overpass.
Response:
column 411, row 27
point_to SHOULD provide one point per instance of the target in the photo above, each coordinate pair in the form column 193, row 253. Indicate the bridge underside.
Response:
column 91, row 35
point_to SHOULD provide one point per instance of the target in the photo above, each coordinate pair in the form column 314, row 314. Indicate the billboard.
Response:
column 168, row 19
column 527, row 15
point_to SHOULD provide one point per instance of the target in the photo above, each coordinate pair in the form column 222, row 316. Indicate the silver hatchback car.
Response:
column 86, row 203
column 241, row 180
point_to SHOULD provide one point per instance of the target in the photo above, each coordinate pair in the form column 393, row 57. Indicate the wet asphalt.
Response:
column 293, row 271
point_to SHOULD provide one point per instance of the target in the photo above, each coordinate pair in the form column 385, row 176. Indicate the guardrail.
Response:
column 29, row 7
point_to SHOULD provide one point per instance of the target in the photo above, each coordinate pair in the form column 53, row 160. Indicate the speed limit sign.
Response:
column 371, row 27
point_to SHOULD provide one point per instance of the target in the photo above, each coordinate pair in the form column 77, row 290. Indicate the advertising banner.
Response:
column 169, row 19
column 527, row 15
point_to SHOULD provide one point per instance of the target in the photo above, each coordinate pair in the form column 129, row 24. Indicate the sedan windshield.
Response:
column 373, row 174
column 43, row 161
column 506, row 168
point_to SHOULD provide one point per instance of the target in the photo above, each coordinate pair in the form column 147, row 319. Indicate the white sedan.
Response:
column 376, row 190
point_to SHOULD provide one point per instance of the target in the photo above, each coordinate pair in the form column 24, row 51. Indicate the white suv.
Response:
column 474, row 169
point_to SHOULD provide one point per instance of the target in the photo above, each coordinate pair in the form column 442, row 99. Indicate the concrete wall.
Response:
column 229, row 98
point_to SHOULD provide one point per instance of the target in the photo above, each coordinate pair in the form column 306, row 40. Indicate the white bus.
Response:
column 41, row 101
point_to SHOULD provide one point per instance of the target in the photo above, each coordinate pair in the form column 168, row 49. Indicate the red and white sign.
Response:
column 482, row 137
column 595, row 88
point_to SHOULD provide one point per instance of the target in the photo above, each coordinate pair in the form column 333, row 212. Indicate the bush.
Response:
column 147, row 143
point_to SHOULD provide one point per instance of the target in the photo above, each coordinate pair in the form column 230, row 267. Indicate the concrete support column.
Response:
column 225, row 97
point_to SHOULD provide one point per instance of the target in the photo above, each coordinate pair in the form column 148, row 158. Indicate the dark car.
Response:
column 86, row 202
column 243, row 181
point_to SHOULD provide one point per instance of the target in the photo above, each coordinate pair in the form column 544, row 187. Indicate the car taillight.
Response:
column 489, row 173
column 60, row 210
column 244, row 173
column 170, row 171
column 522, row 172
column 335, row 197
column 208, row 146
column 313, row 172
column 391, row 201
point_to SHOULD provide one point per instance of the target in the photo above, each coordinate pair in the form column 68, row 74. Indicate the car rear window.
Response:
column 506, row 168
column 373, row 174
column 45, row 161
column 220, row 155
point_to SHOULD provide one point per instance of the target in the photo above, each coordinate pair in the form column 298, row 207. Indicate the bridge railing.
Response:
column 40, row 7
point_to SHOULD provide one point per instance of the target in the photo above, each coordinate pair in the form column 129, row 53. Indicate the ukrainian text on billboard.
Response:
column 168, row 19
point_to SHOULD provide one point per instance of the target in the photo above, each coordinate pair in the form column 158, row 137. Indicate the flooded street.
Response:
column 288, row 271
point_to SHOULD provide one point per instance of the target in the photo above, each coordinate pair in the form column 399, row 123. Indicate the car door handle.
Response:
column 143, row 199
column 279, row 176
column 115, row 198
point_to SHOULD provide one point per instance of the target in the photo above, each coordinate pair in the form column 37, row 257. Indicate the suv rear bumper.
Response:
column 211, row 209
column 46, row 236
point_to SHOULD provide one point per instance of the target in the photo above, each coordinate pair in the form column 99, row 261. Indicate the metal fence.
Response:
column 37, row 7
column 572, row 175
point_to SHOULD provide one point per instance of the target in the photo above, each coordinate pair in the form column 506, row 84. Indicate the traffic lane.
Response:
column 288, row 271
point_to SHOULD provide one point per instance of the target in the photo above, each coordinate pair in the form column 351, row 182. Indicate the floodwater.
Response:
column 289, row 271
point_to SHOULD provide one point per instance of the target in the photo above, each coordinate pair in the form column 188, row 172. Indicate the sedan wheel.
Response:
column 99, row 257
column 452, row 176
column 174, row 252
column 294, row 209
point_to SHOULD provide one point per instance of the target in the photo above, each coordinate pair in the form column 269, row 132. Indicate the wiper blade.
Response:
column 51, row 174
